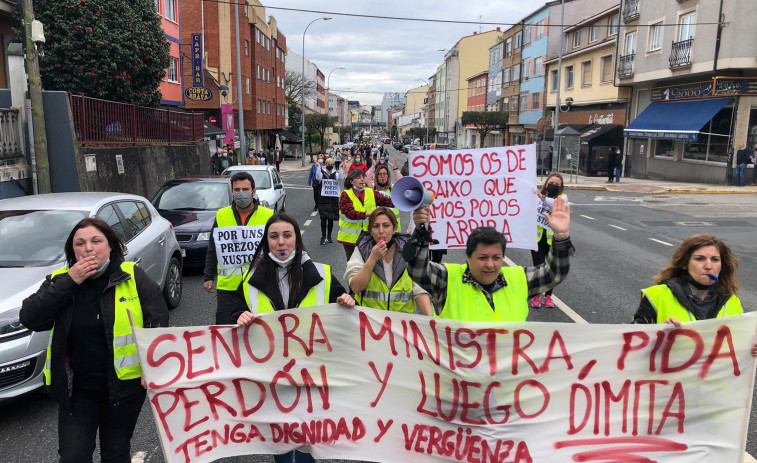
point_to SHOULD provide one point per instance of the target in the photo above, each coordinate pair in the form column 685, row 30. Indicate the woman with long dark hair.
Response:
column 93, row 370
column 552, row 188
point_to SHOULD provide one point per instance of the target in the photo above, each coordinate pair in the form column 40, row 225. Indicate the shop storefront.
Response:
column 689, row 132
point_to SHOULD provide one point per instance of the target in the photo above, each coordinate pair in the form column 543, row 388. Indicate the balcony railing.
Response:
column 625, row 65
column 680, row 54
column 630, row 10
column 108, row 122
column 10, row 143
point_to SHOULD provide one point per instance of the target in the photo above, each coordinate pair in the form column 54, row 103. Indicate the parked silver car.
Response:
column 33, row 231
column 268, row 186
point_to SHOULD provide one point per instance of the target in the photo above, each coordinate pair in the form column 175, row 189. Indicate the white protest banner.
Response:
column 493, row 187
column 330, row 187
column 235, row 246
column 362, row 384
column 542, row 206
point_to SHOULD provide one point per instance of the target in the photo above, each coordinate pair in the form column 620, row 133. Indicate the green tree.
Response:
column 316, row 124
column 110, row 49
column 484, row 122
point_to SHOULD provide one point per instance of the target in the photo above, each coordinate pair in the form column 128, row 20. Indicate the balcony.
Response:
column 680, row 54
column 630, row 10
column 625, row 66
column 10, row 134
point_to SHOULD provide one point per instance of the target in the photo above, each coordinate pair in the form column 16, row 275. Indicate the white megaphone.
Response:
column 408, row 194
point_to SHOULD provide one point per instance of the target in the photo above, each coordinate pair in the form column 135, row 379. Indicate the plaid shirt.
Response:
column 348, row 210
column 433, row 277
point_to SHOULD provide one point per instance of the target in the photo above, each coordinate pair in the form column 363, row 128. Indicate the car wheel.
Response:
column 172, row 287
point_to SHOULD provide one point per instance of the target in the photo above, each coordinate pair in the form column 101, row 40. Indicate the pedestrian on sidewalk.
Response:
column 611, row 162
column 618, row 164
column 754, row 168
column 553, row 188
column 742, row 159
column 279, row 159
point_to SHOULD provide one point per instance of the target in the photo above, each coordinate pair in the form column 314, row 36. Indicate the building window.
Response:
column 536, row 100
column 257, row 35
column 516, row 72
column 506, row 78
column 157, row 6
column 664, row 148
column 526, row 68
column 523, row 101
column 268, row 104
column 505, row 103
column 712, row 144
column 247, row 84
column 586, row 74
column 606, row 63
column 655, row 37
column 553, row 80
column 630, row 43
column 246, row 47
column 170, row 11
column 568, row 77
column 526, row 34
column 686, row 24
column 614, row 24
column 538, row 66
column 518, row 40
column 258, row 72
column 514, row 105
column 594, row 33
column 509, row 47
column 173, row 70
column 540, row 31
column 577, row 38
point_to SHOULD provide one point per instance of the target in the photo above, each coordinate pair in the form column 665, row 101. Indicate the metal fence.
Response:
column 680, row 54
column 112, row 123
column 10, row 134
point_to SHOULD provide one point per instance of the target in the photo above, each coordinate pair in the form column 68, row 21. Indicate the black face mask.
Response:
column 329, row 167
column 553, row 190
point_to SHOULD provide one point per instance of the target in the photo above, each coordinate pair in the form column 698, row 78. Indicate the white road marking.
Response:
column 558, row 303
column 307, row 223
column 587, row 217
column 615, row 226
column 139, row 457
column 661, row 242
column 302, row 232
column 748, row 458
column 606, row 204
column 315, row 213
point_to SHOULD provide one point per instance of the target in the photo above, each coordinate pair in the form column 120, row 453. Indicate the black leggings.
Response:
column 327, row 226
column 540, row 255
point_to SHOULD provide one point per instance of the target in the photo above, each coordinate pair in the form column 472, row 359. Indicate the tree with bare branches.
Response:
column 293, row 87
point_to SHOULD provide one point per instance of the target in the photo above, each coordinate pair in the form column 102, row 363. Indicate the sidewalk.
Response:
column 579, row 182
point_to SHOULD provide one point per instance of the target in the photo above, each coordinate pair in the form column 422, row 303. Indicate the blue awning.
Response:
column 676, row 120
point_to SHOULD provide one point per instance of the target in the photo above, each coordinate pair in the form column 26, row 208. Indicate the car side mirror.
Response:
column 278, row 186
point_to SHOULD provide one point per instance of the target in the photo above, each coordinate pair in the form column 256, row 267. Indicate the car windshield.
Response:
column 192, row 196
column 35, row 238
column 262, row 177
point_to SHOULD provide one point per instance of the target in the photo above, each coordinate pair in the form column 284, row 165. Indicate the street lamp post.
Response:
column 328, row 106
column 426, row 113
column 239, row 85
column 302, row 116
column 555, row 139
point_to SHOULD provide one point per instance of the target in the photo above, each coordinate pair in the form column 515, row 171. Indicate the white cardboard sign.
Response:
column 235, row 246
column 330, row 187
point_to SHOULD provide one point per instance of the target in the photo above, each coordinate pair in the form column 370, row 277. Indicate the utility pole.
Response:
column 35, row 96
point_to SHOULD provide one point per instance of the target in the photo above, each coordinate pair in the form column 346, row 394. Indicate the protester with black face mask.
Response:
column 553, row 187
column 328, row 206
column 243, row 212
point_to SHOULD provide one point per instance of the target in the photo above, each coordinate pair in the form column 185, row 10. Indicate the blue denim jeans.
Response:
column 740, row 172
column 77, row 429
column 294, row 457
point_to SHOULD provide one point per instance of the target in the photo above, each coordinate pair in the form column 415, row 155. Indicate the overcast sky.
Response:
column 384, row 55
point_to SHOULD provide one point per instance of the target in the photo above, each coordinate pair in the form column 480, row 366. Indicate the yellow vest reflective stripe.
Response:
column 377, row 295
column 468, row 303
column 125, row 358
column 666, row 304
column 318, row 294
column 229, row 278
column 550, row 233
column 350, row 229
column 394, row 209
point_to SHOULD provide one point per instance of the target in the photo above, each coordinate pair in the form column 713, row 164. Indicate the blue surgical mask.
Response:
column 103, row 267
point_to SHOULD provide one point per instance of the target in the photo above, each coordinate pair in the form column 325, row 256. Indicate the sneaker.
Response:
column 328, row 239
column 548, row 302
column 536, row 302
column 323, row 241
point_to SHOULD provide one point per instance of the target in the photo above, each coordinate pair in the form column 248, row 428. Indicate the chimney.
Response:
column 475, row 33
column 498, row 30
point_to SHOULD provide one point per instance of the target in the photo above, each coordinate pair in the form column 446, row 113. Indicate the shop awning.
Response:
column 213, row 132
column 287, row 136
column 677, row 120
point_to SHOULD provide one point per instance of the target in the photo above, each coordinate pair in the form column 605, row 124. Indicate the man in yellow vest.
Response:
column 485, row 290
column 237, row 231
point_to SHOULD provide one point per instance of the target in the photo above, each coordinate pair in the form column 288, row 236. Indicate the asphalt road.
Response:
column 621, row 241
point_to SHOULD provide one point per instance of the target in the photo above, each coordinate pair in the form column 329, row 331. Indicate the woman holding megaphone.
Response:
column 377, row 272
column 355, row 204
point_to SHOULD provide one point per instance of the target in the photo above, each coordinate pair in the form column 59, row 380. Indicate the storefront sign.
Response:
column 735, row 86
column 197, row 72
column 599, row 116
column 683, row 92
column 694, row 136
column 198, row 94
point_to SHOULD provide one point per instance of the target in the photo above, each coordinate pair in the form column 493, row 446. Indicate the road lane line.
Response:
column 315, row 213
column 307, row 223
column 558, row 303
column 615, row 226
column 587, row 217
column 139, row 457
column 748, row 458
column 661, row 242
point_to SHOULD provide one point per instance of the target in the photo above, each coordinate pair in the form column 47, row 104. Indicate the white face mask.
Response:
column 282, row 263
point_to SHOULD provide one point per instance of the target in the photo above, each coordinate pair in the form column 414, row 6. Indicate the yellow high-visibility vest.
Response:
column 666, row 304
column 229, row 278
column 468, row 303
column 318, row 294
column 350, row 229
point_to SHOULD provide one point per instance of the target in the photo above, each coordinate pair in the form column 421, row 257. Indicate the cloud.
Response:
column 382, row 55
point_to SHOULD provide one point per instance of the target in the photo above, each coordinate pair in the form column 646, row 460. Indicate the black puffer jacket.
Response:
column 53, row 304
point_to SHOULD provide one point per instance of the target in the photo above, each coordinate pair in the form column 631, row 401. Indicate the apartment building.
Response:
column 475, row 102
column 515, row 134
column 597, row 108
column 171, row 88
column 691, row 68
